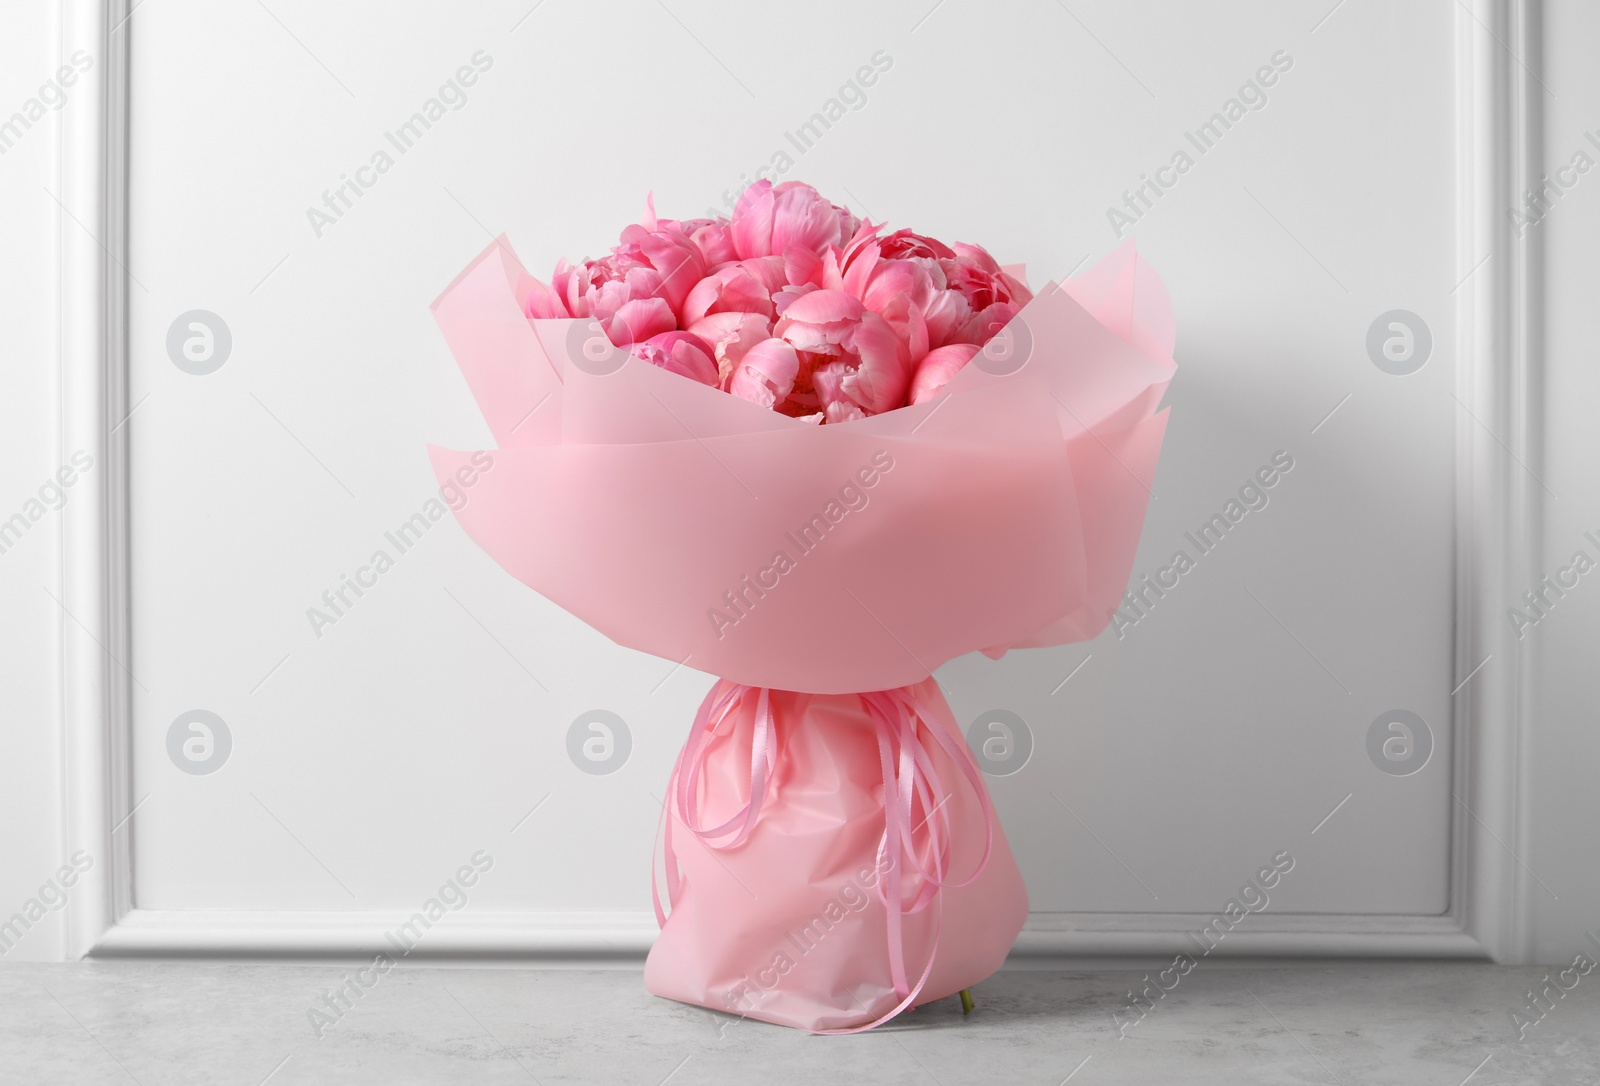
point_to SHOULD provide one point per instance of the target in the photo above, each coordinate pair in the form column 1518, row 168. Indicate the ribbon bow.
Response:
column 911, row 786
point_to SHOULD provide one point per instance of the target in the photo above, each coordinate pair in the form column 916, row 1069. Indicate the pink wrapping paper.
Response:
column 789, row 927
column 855, row 556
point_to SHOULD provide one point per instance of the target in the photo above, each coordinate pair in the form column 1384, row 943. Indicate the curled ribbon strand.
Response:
column 920, row 852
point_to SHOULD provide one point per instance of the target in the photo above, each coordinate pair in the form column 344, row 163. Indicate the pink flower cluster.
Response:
column 793, row 303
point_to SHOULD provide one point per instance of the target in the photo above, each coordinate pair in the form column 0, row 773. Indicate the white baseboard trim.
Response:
column 564, row 937
column 467, row 934
column 1063, row 935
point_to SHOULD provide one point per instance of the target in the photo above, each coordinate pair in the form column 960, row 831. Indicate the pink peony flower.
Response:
column 679, row 352
column 712, row 237
column 730, row 336
column 769, row 218
column 671, row 254
column 739, row 287
column 603, row 289
column 792, row 303
column 766, row 373
column 866, row 365
column 865, row 272
column 981, row 270
column 905, row 243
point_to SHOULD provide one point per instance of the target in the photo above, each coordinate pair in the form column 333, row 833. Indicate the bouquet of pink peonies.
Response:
column 793, row 304
column 818, row 461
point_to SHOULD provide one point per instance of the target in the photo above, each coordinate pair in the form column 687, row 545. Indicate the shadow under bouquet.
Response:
column 818, row 460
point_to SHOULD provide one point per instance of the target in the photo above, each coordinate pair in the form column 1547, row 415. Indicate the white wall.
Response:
column 29, row 746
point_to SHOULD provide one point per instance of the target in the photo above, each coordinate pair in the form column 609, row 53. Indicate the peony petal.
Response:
column 984, row 326
column 828, row 383
column 832, row 272
column 543, row 302
column 977, row 256
column 816, row 338
column 571, row 284
column 1018, row 287
column 908, row 243
column 858, row 270
column 937, row 367
column 895, row 277
column 730, row 336
column 737, row 287
column 946, row 313
column 675, row 259
column 879, row 383
column 910, row 327
column 701, row 297
column 802, row 217
column 802, row 266
column 843, row 411
column 823, row 307
column 767, row 271
column 639, row 320
column 752, row 221
column 781, row 299
column 769, row 219
column 866, row 235
column 679, row 352
column 766, row 373
column 715, row 242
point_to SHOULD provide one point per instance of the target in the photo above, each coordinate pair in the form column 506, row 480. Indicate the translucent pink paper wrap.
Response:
column 713, row 532
column 869, row 875
column 831, row 856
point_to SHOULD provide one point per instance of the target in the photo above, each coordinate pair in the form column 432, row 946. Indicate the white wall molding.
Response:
column 470, row 933
column 1498, row 500
column 602, row 935
column 93, row 365
column 1498, row 506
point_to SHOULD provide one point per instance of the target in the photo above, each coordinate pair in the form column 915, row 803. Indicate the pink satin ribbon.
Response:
column 911, row 783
